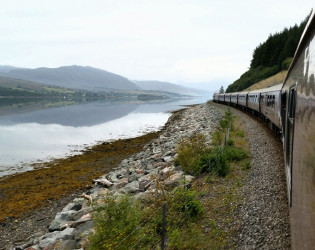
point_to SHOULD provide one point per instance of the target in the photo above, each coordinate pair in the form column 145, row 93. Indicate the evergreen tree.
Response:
column 270, row 57
column 221, row 91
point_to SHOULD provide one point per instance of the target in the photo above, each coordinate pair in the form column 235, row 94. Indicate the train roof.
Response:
column 272, row 88
column 243, row 93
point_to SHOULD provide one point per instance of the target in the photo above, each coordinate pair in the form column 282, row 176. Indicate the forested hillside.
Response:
column 270, row 57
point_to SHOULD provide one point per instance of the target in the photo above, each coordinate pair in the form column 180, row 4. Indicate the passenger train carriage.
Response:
column 270, row 106
column 289, row 109
column 253, row 101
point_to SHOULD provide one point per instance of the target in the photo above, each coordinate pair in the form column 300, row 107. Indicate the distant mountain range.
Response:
column 76, row 77
column 169, row 87
column 89, row 79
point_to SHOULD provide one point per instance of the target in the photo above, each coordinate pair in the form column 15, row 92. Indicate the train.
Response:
column 289, row 110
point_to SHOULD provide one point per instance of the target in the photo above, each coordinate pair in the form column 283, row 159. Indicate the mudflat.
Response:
column 33, row 198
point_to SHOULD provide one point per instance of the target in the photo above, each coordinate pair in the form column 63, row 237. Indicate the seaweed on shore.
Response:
column 26, row 191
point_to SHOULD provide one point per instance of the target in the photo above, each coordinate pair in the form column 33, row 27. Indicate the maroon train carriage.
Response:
column 298, row 114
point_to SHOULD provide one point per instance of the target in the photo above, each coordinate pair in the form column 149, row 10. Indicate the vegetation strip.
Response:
column 199, row 216
column 30, row 190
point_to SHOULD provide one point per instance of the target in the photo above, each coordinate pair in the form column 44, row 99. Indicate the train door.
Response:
column 289, row 139
column 261, row 103
column 283, row 112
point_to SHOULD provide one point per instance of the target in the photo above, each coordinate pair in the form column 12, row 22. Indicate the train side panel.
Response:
column 234, row 97
column 221, row 98
column 227, row 97
column 253, row 100
column 242, row 99
column 270, row 104
column 298, row 94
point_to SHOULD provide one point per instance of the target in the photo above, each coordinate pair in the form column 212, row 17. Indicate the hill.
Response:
column 6, row 68
column 270, row 81
column 85, row 79
column 169, row 87
column 270, row 57
column 10, row 87
column 76, row 77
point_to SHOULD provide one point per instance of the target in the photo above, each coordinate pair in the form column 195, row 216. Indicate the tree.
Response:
column 270, row 57
column 221, row 90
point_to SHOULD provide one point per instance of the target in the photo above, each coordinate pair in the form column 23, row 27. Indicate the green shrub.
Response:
column 188, row 203
column 239, row 183
column 235, row 154
column 246, row 165
column 217, row 137
column 224, row 167
column 189, row 237
column 224, row 123
column 113, row 221
column 240, row 133
column 230, row 142
column 189, row 151
column 228, row 115
column 207, row 162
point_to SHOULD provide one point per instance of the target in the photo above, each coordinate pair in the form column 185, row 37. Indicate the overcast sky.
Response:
column 200, row 43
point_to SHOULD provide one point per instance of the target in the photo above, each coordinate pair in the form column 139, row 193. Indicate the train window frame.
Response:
column 273, row 101
column 290, row 124
column 291, row 105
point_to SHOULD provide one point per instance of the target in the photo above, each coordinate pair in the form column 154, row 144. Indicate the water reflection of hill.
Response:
column 78, row 112
column 67, row 113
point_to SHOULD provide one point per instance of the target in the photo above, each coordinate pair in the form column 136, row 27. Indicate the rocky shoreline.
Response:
column 135, row 175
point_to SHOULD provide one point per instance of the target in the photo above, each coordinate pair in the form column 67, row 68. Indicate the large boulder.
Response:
column 103, row 181
column 131, row 188
column 120, row 183
column 50, row 238
column 61, row 219
column 75, row 206
column 145, row 182
column 168, row 171
column 178, row 179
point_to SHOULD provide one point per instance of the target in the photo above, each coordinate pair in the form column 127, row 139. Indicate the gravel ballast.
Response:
column 265, row 213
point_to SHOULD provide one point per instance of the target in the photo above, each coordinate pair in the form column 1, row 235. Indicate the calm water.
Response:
column 34, row 132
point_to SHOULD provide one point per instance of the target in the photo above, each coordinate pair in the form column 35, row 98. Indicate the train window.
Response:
column 291, row 103
column 274, row 101
column 283, row 110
